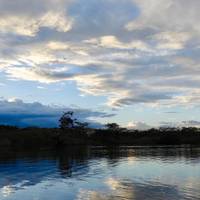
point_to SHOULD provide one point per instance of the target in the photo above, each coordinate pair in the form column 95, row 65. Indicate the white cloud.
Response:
column 41, row 87
column 55, row 45
column 138, row 126
column 37, row 74
column 110, row 41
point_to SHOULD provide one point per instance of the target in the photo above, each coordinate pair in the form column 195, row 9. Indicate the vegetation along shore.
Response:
column 73, row 132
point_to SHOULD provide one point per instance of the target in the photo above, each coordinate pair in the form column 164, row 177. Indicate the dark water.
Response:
column 90, row 173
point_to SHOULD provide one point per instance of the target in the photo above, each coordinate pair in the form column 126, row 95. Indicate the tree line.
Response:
column 71, row 131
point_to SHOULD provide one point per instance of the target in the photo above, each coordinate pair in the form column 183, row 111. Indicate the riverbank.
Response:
column 13, row 137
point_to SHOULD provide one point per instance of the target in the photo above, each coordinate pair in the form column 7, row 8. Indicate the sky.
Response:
column 133, row 62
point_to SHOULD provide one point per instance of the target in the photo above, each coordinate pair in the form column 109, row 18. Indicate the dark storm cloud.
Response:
column 19, row 113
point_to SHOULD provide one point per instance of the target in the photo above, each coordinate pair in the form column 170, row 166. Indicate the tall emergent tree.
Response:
column 67, row 120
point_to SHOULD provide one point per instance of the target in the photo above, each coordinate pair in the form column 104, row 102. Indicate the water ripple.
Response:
column 102, row 173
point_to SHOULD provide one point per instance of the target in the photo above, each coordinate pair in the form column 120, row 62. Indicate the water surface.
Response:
column 91, row 173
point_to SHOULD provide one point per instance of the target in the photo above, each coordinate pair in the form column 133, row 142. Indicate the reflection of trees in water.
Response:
column 82, row 153
column 35, row 166
column 114, row 154
column 73, row 160
column 168, row 153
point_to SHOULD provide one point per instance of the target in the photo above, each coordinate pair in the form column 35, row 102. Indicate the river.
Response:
column 101, row 173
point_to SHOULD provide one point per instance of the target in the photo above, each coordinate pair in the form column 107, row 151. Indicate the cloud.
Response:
column 18, row 113
column 176, row 15
column 138, row 126
column 110, row 41
column 189, row 123
column 132, row 51
column 27, row 18
column 144, row 126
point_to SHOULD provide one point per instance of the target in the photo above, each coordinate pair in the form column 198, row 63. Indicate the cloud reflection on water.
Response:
column 102, row 174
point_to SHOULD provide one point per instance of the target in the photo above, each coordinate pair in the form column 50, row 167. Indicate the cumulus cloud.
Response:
column 138, row 126
column 16, row 112
column 132, row 51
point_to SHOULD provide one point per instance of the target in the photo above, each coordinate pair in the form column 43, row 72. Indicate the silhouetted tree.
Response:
column 112, row 126
column 66, row 120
